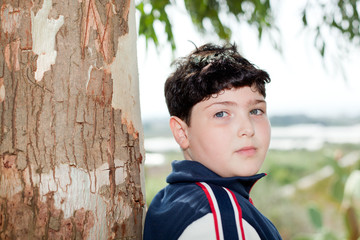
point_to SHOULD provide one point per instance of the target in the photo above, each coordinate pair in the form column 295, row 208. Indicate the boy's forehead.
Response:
column 232, row 97
column 233, row 93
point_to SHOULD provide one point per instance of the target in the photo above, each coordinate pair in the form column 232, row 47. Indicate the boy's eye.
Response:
column 256, row 112
column 221, row 114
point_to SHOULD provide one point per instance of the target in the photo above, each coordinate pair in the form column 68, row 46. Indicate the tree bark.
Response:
column 71, row 147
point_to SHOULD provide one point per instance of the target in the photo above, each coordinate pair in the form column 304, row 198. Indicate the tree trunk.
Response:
column 71, row 147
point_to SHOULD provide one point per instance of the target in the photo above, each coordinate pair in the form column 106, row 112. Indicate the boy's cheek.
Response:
column 265, row 135
column 266, row 129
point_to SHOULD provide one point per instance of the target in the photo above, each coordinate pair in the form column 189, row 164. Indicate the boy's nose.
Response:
column 246, row 127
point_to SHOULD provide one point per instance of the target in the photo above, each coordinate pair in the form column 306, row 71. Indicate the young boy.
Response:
column 216, row 100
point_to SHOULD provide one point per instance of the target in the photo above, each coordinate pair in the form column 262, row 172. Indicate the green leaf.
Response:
column 322, row 50
column 304, row 19
column 337, row 190
column 329, row 236
column 315, row 217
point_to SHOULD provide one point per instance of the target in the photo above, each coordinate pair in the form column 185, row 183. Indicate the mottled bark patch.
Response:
column 9, row 160
column 99, row 86
column 41, row 220
column 11, row 54
column 2, row 90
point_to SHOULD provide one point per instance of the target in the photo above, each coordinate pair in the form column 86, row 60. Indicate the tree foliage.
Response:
column 255, row 12
column 337, row 18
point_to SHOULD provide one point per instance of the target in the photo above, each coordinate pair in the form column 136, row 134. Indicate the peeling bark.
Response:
column 70, row 160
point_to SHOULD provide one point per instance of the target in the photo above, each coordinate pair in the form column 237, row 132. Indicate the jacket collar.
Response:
column 186, row 171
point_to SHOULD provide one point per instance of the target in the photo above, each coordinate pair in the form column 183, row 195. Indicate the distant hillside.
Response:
column 157, row 127
column 288, row 120
column 160, row 127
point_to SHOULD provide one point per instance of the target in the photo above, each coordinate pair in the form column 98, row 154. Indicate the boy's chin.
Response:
column 246, row 173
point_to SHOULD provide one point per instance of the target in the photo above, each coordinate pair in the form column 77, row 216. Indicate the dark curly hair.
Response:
column 206, row 71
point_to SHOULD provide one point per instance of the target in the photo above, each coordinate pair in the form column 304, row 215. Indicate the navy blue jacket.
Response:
column 183, row 203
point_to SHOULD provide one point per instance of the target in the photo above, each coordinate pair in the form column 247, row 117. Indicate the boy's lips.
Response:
column 247, row 151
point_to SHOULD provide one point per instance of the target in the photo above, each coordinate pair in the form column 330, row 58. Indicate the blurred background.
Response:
column 311, row 50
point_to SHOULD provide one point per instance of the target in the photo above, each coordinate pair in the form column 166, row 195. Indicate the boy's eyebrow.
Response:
column 257, row 101
column 231, row 103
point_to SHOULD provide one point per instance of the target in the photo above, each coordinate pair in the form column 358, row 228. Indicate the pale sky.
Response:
column 300, row 82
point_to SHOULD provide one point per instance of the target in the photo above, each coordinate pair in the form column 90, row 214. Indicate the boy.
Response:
column 216, row 100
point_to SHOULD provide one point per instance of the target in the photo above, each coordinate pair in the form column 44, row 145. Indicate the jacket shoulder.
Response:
column 173, row 209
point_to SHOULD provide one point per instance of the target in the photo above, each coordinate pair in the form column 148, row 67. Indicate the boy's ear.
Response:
column 179, row 130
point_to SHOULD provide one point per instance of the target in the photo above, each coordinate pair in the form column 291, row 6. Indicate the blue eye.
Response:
column 256, row 112
column 221, row 114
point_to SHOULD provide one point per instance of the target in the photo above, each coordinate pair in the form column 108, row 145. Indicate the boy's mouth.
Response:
column 247, row 151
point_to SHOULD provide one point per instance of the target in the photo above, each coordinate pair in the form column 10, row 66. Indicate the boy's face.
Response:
column 229, row 132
